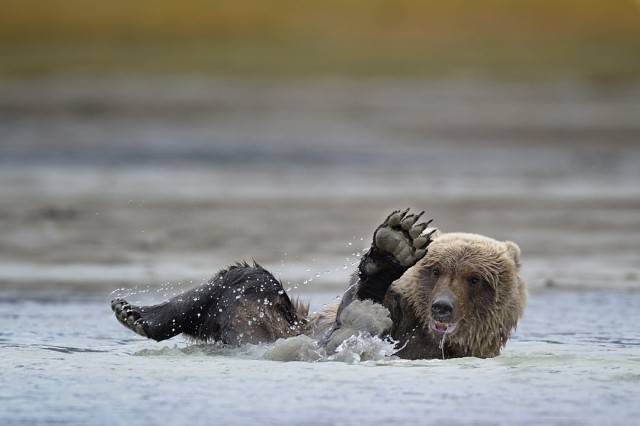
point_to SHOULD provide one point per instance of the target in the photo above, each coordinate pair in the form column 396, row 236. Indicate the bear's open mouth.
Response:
column 442, row 327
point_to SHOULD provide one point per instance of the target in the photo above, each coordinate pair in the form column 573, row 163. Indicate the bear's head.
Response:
column 467, row 291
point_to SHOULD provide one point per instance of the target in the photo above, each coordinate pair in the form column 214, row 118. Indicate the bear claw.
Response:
column 395, row 217
column 401, row 236
column 409, row 220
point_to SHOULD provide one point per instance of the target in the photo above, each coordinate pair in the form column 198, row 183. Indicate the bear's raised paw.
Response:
column 403, row 238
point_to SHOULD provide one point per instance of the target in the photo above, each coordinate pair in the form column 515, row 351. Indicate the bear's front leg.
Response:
column 398, row 244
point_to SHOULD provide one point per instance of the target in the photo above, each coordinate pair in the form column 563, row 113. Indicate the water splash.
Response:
column 357, row 340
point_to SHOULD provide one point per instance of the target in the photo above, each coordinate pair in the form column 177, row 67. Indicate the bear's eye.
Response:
column 435, row 271
column 474, row 280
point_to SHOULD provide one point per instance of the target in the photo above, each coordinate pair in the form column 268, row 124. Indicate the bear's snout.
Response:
column 442, row 309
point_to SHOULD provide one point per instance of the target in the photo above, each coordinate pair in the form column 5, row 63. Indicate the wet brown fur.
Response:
column 487, row 312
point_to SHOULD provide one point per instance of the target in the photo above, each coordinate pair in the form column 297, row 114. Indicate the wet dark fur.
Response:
column 247, row 304
column 241, row 304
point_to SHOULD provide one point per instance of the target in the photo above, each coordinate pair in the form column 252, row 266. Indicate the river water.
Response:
column 148, row 187
column 574, row 359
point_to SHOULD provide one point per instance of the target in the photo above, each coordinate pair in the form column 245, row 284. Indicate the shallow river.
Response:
column 575, row 358
column 153, row 185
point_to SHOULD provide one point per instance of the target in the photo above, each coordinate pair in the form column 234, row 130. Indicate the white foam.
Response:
column 298, row 348
column 363, row 347
column 360, row 318
column 356, row 341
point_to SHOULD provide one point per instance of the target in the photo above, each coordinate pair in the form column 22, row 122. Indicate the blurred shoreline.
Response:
column 529, row 40
column 109, row 183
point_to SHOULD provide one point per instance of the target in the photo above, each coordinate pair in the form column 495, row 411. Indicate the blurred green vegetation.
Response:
column 597, row 39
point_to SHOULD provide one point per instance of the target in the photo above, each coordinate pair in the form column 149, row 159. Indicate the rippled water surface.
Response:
column 575, row 357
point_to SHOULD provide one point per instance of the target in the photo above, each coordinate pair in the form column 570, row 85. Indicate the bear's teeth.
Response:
column 442, row 327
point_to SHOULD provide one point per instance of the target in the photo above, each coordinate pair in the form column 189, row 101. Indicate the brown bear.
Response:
column 446, row 296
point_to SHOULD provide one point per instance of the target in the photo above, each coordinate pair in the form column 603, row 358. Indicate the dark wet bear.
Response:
column 450, row 295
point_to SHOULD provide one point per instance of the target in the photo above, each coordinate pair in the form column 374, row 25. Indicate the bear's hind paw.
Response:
column 129, row 316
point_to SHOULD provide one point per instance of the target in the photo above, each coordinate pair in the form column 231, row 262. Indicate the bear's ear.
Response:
column 514, row 252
